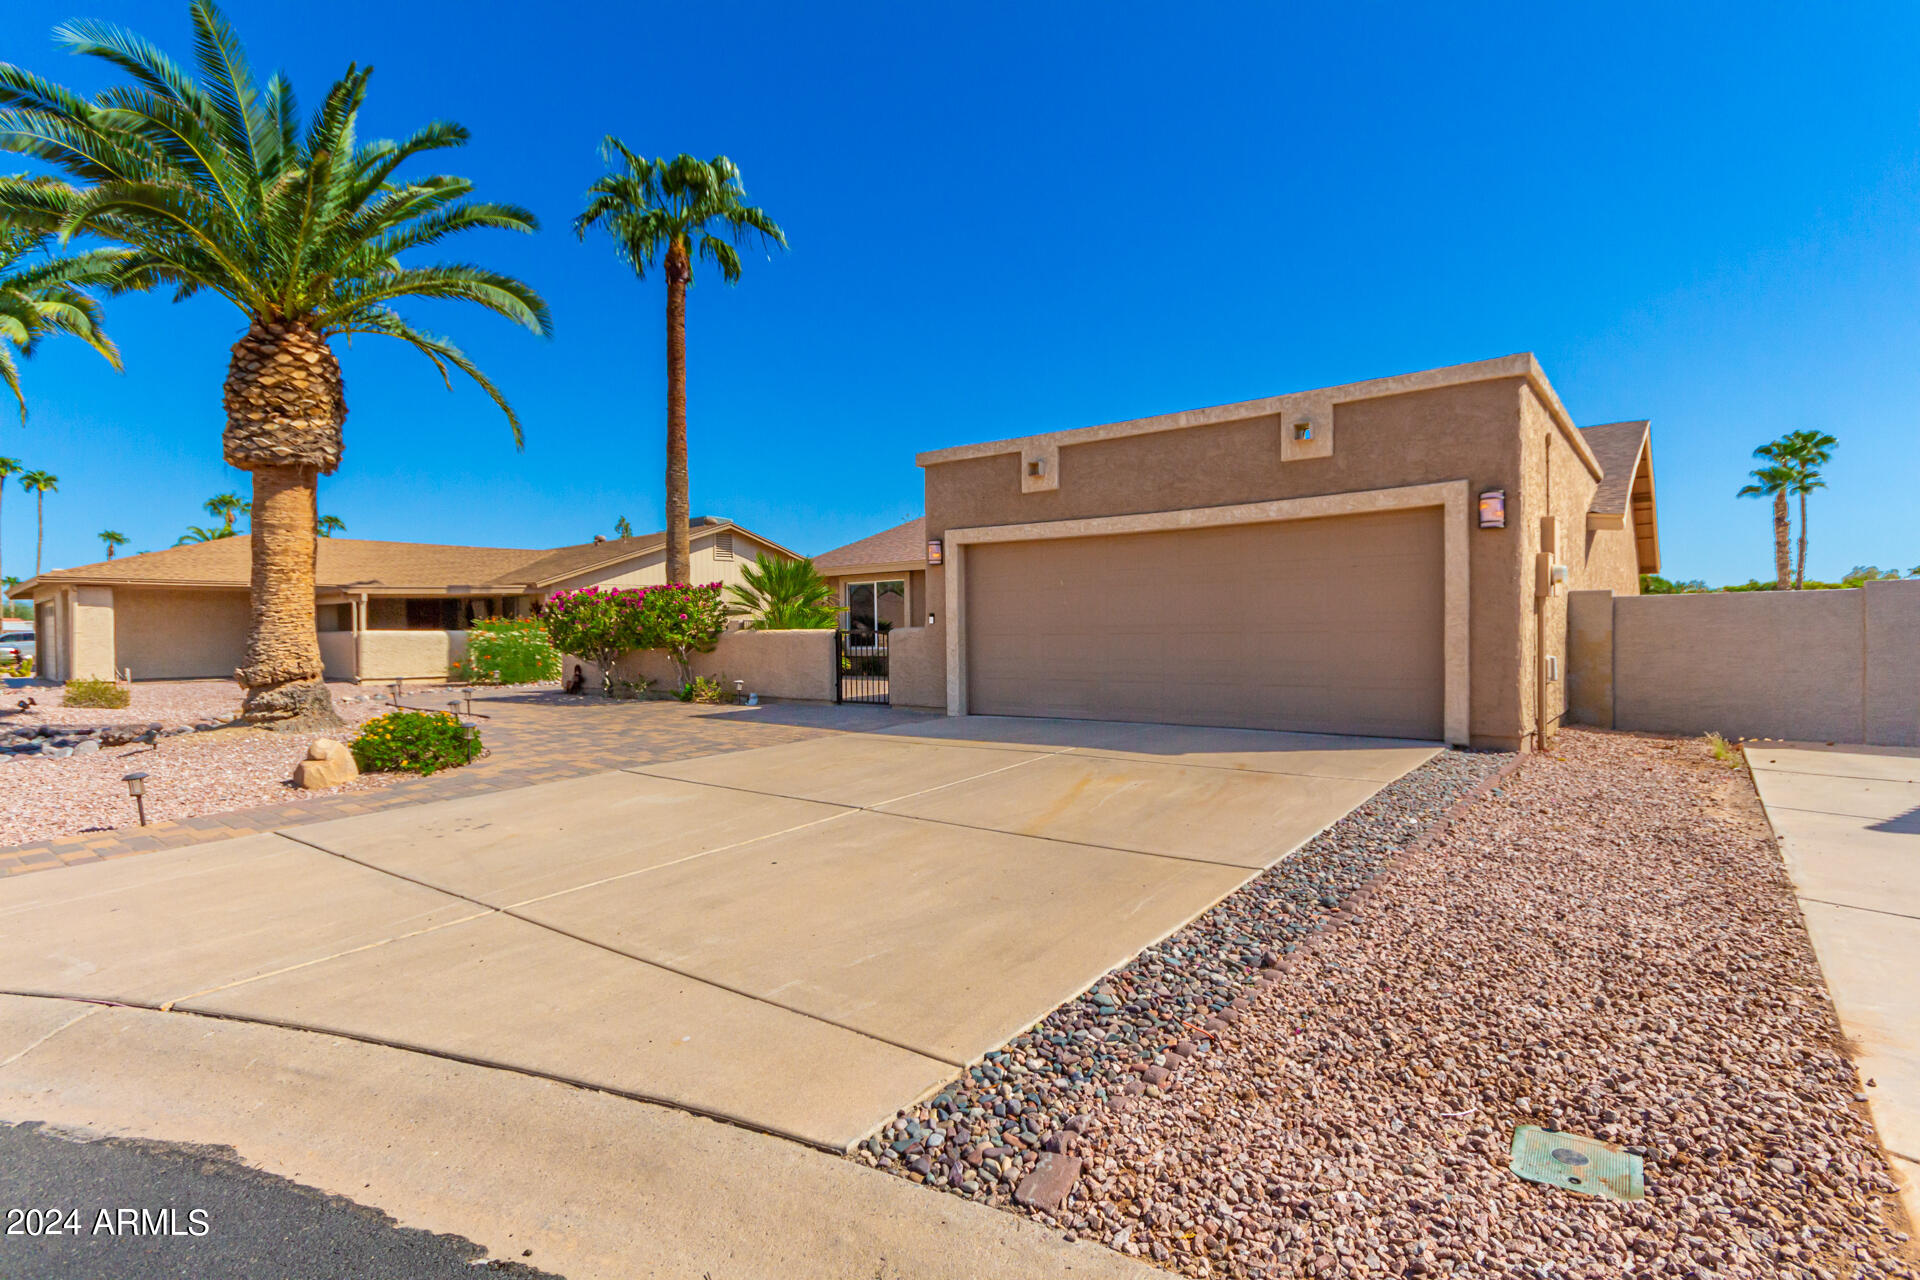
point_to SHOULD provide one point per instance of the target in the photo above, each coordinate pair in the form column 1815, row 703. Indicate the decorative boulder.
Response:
column 328, row 764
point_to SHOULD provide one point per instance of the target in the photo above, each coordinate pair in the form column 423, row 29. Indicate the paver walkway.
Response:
column 1848, row 821
column 801, row 937
column 531, row 737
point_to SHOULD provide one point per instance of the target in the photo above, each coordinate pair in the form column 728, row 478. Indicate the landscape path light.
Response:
column 137, row 788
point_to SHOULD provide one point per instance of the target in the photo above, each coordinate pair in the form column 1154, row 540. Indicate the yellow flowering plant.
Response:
column 420, row 742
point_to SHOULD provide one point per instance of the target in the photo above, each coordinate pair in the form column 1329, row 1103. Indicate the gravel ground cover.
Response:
column 1606, row 943
column 189, row 775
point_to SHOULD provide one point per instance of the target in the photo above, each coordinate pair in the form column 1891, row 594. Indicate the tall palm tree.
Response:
column 9, row 467
column 1772, row 481
column 213, row 186
column 39, row 484
column 330, row 525
column 42, row 293
column 1804, row 452
column 226, row 506
column 782, row 595
column 112, row 538
column 673, row 211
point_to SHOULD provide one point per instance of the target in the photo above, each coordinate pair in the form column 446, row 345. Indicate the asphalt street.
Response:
column 149, row 1211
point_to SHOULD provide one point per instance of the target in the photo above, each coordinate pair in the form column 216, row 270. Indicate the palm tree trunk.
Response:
column 1800, row 576
column 285, row 402
column 1782, row 528
column 678, row 500
column 284, row 673
column 40, row 531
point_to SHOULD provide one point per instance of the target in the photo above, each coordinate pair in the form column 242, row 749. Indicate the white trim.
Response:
column 1451, row 496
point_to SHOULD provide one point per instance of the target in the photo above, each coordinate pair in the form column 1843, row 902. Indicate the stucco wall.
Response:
column 1590, row 658
column 916, row 668
column 179, row 634
column 1824, row 666
column 774, row 664
column 91, row 615
column 409, row 655
column 1470, row 432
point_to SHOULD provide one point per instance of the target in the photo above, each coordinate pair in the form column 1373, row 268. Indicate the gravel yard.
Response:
column 1606, row 944
column 189, row 775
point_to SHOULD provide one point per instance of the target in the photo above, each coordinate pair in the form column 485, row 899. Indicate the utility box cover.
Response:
column 1586, row 1165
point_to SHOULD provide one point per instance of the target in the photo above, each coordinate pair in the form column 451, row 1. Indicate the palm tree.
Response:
column 1772, row 481
column 622, row 528
column 1804, row 452
column 112, row 538
column 204, row 533
column 330, row 525
column 782, row 595
column 39, row 484
column 658, row 210
column 41, row 293
column 213, row 187
column 9, row 467
column 226, row 506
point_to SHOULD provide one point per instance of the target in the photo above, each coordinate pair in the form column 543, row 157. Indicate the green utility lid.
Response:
column 1579, row 1164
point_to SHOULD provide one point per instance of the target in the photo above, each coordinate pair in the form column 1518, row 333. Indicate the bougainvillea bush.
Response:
column 412, row 742
column 601, row 623
column 508, row 651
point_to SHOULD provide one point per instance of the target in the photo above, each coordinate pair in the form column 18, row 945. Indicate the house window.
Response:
column 723, row 545
column 434, row 615
column 876, row 606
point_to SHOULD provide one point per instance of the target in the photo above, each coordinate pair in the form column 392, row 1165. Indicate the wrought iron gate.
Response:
column 860, row 662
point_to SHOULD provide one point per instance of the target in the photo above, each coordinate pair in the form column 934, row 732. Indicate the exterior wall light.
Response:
column 1493, row 509
column 934, row 550
column 137, row 788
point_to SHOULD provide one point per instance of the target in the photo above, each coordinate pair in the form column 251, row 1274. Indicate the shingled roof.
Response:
column 902, row 544
column 357, row 564
column 1625, row 492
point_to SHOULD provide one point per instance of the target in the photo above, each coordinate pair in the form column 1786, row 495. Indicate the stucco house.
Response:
column 385, row 610
column 881, row 578
column 1388, row 557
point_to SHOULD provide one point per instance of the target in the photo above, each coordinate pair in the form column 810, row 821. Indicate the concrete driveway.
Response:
column 1848, row 821
column 799, row 938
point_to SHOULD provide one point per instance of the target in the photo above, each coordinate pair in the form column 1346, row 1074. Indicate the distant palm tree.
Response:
column 658, row 209
column 203, row 533
column 330, row 525
column 15, row 609
column 39, row 484
column 782, row 595
column 41, row 294
column 226, row 506
column 1804, row 452
column 112, row 539
column 1772, row 481
column 9, row 467
column 214, row 187
column 622, row 528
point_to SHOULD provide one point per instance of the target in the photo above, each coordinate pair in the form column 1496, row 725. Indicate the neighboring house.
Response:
column 385, row 610
column 880, row 579
column 1386, row 558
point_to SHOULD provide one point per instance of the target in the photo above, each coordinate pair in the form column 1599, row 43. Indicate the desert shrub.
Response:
column 777, row 594
column 95, row 693
column 508, row 651
column 704, row 689
column 411, row 742
column 596, row 624
column 1722, row 750
column 683, row 620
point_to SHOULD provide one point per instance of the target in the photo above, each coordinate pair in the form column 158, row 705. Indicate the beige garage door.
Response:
column 1330, row 626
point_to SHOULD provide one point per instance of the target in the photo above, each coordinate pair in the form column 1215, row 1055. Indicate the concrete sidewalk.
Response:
column 1848, row 822
column 593, row 1187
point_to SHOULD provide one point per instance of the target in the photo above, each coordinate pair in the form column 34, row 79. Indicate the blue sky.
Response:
column 1029, row 217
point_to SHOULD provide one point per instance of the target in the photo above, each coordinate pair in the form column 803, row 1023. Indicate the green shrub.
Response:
column 508, row 651
column 95, row 693
column 704, row 689
column 412, row 742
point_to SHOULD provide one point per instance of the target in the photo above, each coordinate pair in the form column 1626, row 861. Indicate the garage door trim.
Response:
column 1451, row 496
